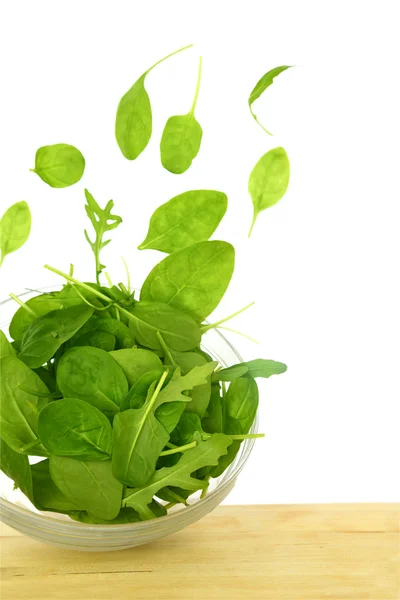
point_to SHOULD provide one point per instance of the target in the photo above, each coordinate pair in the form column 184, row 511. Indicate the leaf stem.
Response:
column 167, row 353
column 247, row 436
column 166, row 57
column 128, row 275
column 205, row 489
column 258, row 122
column 253, row 222
column 123, row 289
column 78, row 283
column 179, row 449
column 196, row 94
column 110, row 283
column 24, row 306
column 239, row 333
column 71, row 269
column 205, row 328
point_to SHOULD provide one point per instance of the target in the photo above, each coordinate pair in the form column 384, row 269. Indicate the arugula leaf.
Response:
column 140, row 434
column 59, row 165
column 180, row 475
column 16, row 467
column 92, row 375
column 19, row 409
column 181, row 138
column 266, row 80
column 193, row 279
column 102, row 220
column 200, row 394
column 15, row 227
column 74, row 428
column 185, row 219
column 259, row 367
column 88, row 484
column 46, row 495
column 133, row 125
column 46, row 334
column 269, row 181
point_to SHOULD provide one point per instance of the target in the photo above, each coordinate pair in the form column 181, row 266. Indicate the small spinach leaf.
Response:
column 135, row 362
column 46, row 334
column 193, row 279
column 92, row 375
column 16, row 467
column 269, row 181
column 185, row 219
column 20, row 409
column 137, row 395
column 15, row 227
column 266, row 80
column 120, row 332
column 46, row 494
column 181, row 138
column 59, row 165
column 74, row 428
column 88, row 484
column 133, row 125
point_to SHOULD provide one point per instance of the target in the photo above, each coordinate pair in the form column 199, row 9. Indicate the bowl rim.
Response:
column 226, row 479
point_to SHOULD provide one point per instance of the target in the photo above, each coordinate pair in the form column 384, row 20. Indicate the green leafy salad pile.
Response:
column 110, row 388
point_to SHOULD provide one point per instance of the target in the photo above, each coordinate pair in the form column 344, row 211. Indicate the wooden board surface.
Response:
column 335, row 552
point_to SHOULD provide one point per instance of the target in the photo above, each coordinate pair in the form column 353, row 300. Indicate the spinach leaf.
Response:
column 133, row 125
column 140, row 434
column 48, row 378
column 137, row 395
column 213, row 421
column 269, row 181
column 59, row 165
column 5, row 347
column 120, row 332
column 181, row 138
column 135, row 362
column 97, row 339
column 46, row 495
column 193, row 279
column 266, row 80
column 16, row 467
column 46, row 334
column 88, row 484
column 178, row 329
column 259, row 367
column 19, row 409
column 200, row 394
column 15, row 227
column 126, row 515
column 180, row 475
column 187, row 430
column 185, row 219
column 74, row 428
column 102, row 220
column 92, row 375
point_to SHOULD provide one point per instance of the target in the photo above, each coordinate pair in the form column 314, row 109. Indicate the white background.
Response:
column 322, row 265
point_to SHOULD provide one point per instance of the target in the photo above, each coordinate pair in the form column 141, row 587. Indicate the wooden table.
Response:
column 335, row 552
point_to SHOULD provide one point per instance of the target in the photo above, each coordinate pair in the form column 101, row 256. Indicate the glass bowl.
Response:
column 59, row 530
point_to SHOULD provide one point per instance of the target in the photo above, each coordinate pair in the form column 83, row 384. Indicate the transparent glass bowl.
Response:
column 59, row 530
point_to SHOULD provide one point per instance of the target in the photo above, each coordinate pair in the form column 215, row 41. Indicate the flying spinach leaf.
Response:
column 135, row 362
column 46, row 495
column 140, row 435
column 181, row 138
column 19, row 409
column 133, row 125
column 102, row 220
column 180, row 475
column 269, row 181
column 185, row 219
column 74, row 428
column 46, row 334
column 15, row 227
column 16, row 467
column 200, row 394
column 260, row 87
column 193, row 279
column 92, row 375
column 259, row 367
column 178, row 329
column 5, row 347
column 88, row 484
column 59, row 165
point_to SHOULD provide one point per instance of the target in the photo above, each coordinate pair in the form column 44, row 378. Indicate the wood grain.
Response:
column 334, row 552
